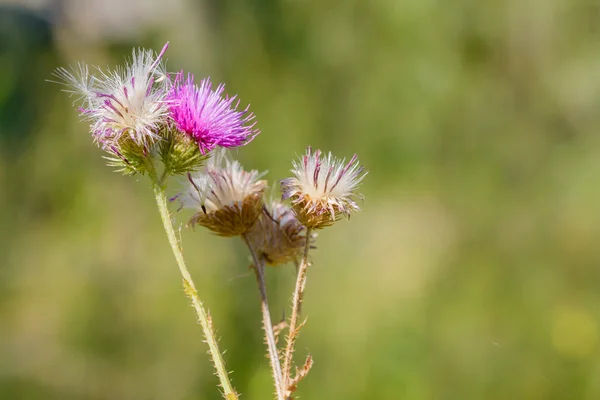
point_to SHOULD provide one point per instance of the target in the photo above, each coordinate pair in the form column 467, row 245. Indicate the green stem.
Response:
column 259, row 269
column 188, row 284
column 294, row 329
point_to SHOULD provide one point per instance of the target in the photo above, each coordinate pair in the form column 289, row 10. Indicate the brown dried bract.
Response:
column 315, row 214
column 278, row 236
column 233, row 220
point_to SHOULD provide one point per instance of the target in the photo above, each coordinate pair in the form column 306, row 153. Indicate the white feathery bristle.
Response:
column 222, row 183
column 125, row 101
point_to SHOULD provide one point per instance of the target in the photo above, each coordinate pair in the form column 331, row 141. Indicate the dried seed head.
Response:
column 123, row 105
column 278, row 236
column 227, row 198
column 323, row 188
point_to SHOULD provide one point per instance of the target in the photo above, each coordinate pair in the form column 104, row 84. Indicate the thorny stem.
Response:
column 267, row 323
column 296, row 305
column 190, row 289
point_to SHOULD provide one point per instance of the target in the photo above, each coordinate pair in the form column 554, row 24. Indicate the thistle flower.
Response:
column 126, row 104
column 323, row 188
column 208, row 117
column 278, row 236
column 228, row 198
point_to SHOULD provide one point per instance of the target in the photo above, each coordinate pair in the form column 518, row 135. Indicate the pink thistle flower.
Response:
column 126, row 103
column 208, row 117
column 323, row 188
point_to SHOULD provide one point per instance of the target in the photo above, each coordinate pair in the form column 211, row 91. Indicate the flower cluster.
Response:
column 145, row 119
column 137, row 111
column 229, row 201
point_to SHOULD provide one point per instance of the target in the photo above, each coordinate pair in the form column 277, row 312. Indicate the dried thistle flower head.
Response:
column 228, row 198
column 207, row 116
column 323, row 188
column 278, row 236
column 123, row 105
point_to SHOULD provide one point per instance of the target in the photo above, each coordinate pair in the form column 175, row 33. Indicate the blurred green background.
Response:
column 473, row 271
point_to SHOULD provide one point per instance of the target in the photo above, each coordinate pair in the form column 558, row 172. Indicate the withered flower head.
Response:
column 278, row 236
column 123, row 105
column 323, row 188
column 228, row 198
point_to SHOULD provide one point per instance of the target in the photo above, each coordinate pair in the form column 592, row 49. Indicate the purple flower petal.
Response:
column 208, row 117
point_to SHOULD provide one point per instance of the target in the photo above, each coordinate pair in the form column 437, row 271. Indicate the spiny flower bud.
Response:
column 278, row 236
column 227, row 198
column 323, row 188
column 179, row 153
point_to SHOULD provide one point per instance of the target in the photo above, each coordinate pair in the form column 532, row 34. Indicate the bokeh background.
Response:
column 473, row 271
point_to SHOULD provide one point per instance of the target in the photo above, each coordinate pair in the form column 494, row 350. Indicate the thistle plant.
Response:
column 161, row 125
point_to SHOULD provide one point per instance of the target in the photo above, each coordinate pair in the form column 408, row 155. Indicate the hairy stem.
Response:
column 296, row 305
column 190, row 289
column 266, row 320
